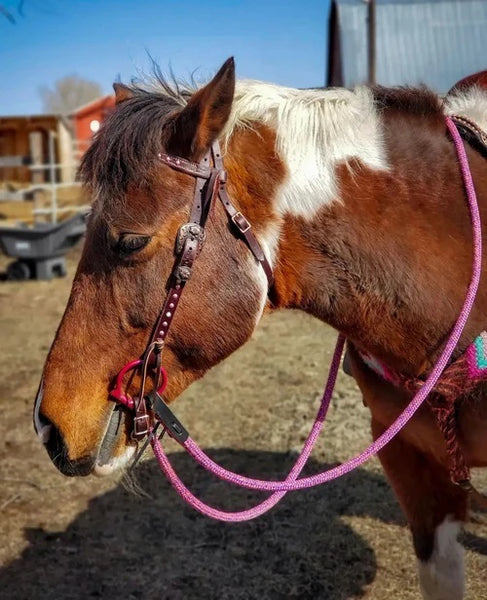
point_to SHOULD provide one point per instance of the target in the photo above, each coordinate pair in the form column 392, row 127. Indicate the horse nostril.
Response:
column 52, row 439
column 54, row 443
column 42, row 425
column 43, row 428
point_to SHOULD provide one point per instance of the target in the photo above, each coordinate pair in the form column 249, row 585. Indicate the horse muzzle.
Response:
column 103, row 462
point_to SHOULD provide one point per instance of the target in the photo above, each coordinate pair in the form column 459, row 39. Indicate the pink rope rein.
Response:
column 292, row 483
column 263, row 507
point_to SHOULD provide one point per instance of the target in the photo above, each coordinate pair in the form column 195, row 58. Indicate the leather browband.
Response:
column 185, row 166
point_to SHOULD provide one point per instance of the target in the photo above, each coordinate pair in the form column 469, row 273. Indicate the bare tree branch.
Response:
column 68, row 93
column 7, row 14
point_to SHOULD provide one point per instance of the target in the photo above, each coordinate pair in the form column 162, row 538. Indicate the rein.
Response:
column 151, row 410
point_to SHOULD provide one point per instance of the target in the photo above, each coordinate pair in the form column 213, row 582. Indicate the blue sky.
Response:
column 283, row 41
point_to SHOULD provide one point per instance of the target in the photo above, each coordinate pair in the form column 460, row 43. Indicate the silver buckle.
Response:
column 243, row 228
column 141, row 426
column 190, row 230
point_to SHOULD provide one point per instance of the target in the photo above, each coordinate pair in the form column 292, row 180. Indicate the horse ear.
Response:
column 202, row 120
column 122, row 93
column 478, row 79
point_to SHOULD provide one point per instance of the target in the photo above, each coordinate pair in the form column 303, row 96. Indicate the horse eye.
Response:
column 129, row 243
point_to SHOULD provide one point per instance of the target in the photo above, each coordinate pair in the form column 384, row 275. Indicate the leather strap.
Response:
column 241, row 223
column 211, row 183
column 200, row 169
column 200, row 198
column 473, row 131
column 245, row 230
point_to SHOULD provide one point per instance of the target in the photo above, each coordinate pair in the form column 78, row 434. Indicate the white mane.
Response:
column 316, row 130
column 470, row 103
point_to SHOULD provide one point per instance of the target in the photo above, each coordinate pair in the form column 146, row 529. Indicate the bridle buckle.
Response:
column 192, row 231
column 241, row 222
column 141, row 426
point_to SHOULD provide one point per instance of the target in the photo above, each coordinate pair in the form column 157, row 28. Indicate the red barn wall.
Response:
column 84, row 116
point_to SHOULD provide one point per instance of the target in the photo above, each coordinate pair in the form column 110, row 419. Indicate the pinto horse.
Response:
column 356, row 199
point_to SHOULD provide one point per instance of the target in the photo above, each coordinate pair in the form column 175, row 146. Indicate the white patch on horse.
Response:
column 115, row 463
column 315, row 131
column 470, row 103
column 442, row 576
column 270, row 241
column 263, row 286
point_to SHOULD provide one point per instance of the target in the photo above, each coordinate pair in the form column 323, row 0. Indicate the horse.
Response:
column 354, row 199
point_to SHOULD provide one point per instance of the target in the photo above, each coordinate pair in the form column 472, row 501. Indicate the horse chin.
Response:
column 109, row 460
column 114, row 464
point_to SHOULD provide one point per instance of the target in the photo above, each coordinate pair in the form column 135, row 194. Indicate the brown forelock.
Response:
column 389, row 261
column 114, row 302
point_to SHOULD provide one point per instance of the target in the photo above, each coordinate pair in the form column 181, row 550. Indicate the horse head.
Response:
column 139, row 203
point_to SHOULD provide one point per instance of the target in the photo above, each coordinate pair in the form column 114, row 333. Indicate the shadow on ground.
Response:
column 128, row 546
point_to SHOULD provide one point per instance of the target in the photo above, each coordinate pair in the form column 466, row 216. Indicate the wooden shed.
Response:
column 35, row 140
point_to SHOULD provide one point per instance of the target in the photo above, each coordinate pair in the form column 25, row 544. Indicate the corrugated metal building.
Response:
column 436, row 42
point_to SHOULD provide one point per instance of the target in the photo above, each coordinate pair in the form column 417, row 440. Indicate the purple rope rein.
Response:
column 292, row 483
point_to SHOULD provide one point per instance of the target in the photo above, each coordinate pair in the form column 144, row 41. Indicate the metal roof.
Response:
column 436, row 42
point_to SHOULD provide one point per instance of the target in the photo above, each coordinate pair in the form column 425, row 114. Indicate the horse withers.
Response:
column 356, row 200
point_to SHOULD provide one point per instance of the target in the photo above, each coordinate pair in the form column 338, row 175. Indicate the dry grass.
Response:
column 90, row 538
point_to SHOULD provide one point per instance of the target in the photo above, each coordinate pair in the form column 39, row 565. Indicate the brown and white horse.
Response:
column 356, row 198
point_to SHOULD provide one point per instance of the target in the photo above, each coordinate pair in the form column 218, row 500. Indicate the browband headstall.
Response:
column 185, row 166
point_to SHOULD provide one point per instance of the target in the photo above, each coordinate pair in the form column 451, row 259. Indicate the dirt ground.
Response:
column 69, row 539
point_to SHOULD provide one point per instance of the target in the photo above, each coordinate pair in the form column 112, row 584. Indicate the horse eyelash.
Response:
column 129, row 244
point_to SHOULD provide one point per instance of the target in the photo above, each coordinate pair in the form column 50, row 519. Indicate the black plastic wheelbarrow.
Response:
column 40, row 250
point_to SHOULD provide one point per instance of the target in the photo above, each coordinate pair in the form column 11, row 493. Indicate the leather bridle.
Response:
column 210, row 185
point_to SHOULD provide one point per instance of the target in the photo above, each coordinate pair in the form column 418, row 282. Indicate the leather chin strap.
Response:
column 210, row 184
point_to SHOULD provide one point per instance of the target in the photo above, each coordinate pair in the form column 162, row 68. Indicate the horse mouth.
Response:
column 107, row 462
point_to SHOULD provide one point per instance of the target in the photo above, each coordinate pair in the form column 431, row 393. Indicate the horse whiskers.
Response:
column 129, row 479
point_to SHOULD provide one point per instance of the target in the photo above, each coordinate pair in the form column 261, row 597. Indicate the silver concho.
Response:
column 193, row 231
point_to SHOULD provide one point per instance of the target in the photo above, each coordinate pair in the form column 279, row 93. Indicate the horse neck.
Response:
column 387, row 261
